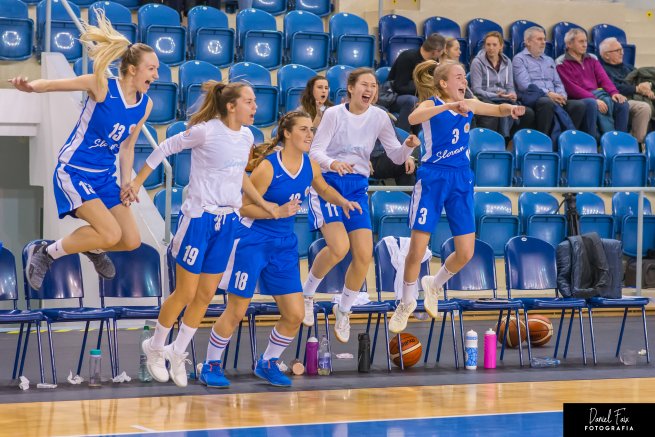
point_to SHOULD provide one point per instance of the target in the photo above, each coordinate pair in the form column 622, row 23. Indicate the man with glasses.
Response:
column 611, row 54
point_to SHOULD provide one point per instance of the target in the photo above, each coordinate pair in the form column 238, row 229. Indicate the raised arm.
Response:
column 86, row 82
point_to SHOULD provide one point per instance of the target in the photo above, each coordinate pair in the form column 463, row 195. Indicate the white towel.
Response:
column 361, row 299
column 398, row 249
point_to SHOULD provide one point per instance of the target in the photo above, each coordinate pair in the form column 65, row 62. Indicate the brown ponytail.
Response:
column 217, row 96
column 286, row 123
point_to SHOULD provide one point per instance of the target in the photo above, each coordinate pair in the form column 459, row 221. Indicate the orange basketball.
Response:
column 512, row 335
column 411, row 347
column 541, row 329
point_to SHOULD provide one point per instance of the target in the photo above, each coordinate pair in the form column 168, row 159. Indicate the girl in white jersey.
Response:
column 444, row 180
column 342, row 147
column 84, row 182
column 220, row 144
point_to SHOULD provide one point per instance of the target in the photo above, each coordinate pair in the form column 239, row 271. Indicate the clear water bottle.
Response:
column 95, row 368
column 541, row 362
column 144, row 375
column 324, row 357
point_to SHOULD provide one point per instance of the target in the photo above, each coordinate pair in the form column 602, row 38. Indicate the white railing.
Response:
column 168, row 170
column 640, row 209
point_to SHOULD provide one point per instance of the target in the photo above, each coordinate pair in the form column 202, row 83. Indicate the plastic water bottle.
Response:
column 324, row 357
column 490, row 349
column 95, row 367
column 471, row 350
column 541, row 362
column 144, row 375
column 311, row 356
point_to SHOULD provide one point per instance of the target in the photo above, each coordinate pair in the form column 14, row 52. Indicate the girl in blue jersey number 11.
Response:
column 84, row 183
column 444, row 180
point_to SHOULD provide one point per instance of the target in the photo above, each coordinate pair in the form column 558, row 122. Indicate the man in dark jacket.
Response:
column 611, row 54
column 401, row 75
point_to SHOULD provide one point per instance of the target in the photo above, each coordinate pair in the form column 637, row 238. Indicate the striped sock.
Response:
column 216, row 346
column 277, row 343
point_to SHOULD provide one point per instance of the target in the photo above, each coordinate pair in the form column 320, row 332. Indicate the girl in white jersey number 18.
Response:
column 84, row 182
column 444, row 180
column 342, row 147
column 220, row 144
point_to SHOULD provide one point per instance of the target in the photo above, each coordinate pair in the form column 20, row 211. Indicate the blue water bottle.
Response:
column 471, row 350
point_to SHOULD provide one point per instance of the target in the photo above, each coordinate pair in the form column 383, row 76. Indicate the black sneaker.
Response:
column 38, row 264
column 102, row 263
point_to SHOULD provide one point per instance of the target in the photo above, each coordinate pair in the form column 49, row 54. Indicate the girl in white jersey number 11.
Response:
column 84, row 183
column 444, row 180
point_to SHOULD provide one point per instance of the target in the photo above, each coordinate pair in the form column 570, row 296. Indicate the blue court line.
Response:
column 505, row 425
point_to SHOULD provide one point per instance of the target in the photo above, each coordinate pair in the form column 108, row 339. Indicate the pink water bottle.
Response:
column 311, row 356
column 490, row 349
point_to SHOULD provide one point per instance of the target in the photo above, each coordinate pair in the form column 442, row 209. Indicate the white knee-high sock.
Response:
column 56, row 250
column 443, row 275
column 277, row 343
column 216, row 346
column 409, row 292
column 183, row 338
column 310, row 285
column 348, row 298
column 159, row 337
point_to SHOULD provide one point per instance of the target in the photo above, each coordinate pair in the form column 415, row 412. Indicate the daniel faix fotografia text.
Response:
column 593, row 419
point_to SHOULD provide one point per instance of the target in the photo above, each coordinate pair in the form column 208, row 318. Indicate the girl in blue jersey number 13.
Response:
column 84, row 182
column 444, row 179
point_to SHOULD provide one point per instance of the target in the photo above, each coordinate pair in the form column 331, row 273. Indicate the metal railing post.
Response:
column 48, row 23
column 640, row 240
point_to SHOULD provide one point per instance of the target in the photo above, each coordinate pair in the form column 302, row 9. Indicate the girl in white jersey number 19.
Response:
column 220, row 145
column 444, row 180
column 84, row 182
column 342, row 147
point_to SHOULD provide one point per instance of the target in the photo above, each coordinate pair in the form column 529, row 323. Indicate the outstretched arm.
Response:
column 502, row 110
column 86, row 82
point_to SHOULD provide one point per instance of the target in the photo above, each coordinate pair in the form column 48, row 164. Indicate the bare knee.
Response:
column 463, row 256
column 131, row 242
column 110, row 236
column 339, row 250
column 414, row 257
column 232, row 318
column 204, row 296
column 293, row 317
column 183, row 296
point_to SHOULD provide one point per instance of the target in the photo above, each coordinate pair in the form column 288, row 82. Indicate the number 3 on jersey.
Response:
column 423, row 214
column 455, row 136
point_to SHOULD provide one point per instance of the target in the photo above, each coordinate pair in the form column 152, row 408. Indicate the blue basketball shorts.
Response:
column 439, row 188
column 353, row 187
column 73, row 187
column 264, row 261
column 202, row 244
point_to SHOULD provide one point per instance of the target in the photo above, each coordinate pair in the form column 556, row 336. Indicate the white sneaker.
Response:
column 431, row 301
column 155, row 361
column 177, row 368
column 309, row 311
column 398, row 321
column 342, row 324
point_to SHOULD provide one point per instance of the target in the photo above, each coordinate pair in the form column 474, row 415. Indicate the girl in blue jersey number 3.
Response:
column 444, row 180
column 84, row 182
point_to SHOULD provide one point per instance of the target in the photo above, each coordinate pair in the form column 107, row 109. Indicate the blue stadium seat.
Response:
column 536, row 163
column 476, row 30
column 181, row 164
column 258, row 39
column 337, row 77
column 582, row 165
column 521, row 255
column 649, row 145
column 559, row 30
column 448, row 29
column 350, row 41
column 175, row 128
column 302, row 229
column 538, row 213
column 143, row 149
column 82, row 3
column 395, row 35
column 492, row 164
column 176, row 204
column 164, row 95
column 130, row 4
column 624, row 164
column 192, row 74
column 516, row 31
column 159, row 27
column 494, row 221
column 317, row 7
column 210, row 37
column 119, row 16
column 292, row 80
column 382, row 74
column 629, row 235
column 64, row 36
column 591, row 209
column 273, row 7
column 625, row 205
column 305, row 41
column 267, row 95
column 440, row 234
column 257, row 134
column 602, row 31
column 16, row 30
column 389, row 210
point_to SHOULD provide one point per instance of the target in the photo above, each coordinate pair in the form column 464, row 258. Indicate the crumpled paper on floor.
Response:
column 24, row 383
column 123, row 377
column 45, row 385
column 77, row 379
column 345, row 356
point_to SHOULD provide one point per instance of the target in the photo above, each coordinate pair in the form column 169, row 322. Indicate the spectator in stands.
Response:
column 492, row 81
column 451, row 51
column 585, row 79
column 535, row 74
column 401, row 75
column 611, row 54
column 315, row 99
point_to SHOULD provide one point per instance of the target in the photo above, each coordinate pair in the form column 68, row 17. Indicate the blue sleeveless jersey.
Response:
column 447, row 138
column 101, row 128
column 284, row 187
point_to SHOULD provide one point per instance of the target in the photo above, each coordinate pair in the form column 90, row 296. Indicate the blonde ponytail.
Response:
column 423, row 76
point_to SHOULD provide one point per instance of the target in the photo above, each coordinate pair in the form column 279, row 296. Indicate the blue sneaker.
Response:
column 212, row 375
column 268, row 370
